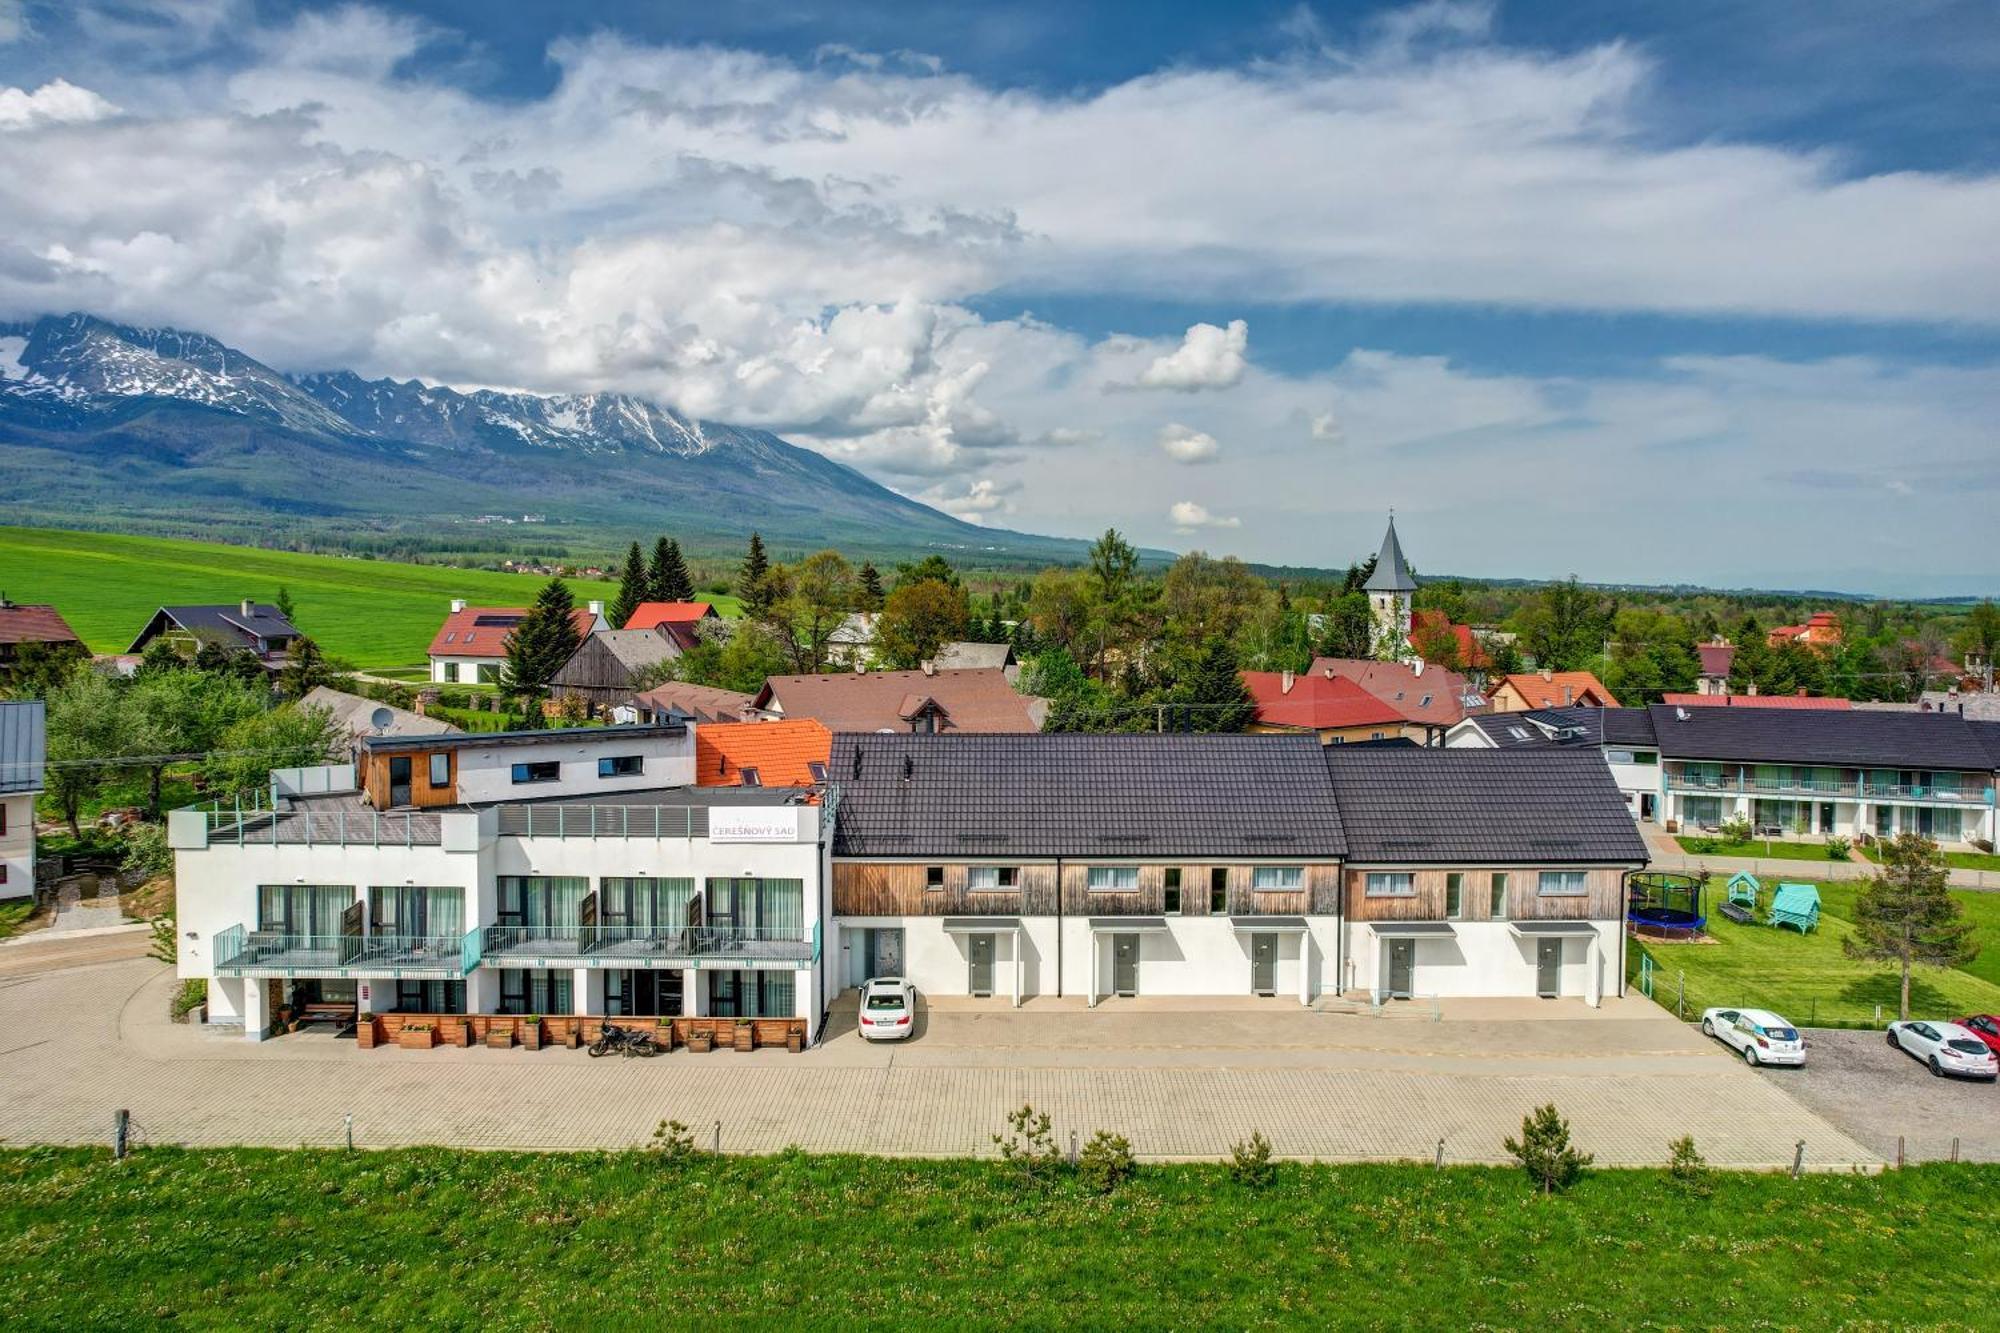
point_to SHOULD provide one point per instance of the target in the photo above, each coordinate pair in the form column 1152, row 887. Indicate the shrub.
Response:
column 1688, row 1168
column 1701, row 846
column 673, row 1142
column 190, row 996
column 1106, row 1162
column 1736, row 829
column 1545, row 1153
column 146, row 853
column 164, row 941
column 1029, row 1144
column 1250, row 1161
column 1837, row 848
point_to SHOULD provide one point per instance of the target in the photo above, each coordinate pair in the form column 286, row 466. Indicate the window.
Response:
column 440, row 770
column 1454, row 895
column 1218, row 890
column 817, row 769
column 1374, row 735
column 1497, row 906
column 1645, row 757
column 750, row 777
column 1391, row 884
column 3, row 819
column 933, row 877
column 1170, row 890
column 621, row 766
column 546, row 770
column 1275, row 878
column 1425, row 702
column 1113, row 879
column 1561, row 882
column 1618, row 757
column 993, row 877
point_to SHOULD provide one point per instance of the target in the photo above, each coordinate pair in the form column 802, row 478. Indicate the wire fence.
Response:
column 1868, row 1005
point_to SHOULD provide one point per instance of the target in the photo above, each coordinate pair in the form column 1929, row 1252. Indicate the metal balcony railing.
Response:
column 238, row 950
column 651, row 942
column 604, row 821
column 1819, row 787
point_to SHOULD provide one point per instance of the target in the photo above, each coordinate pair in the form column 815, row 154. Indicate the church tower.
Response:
column 1389, row 590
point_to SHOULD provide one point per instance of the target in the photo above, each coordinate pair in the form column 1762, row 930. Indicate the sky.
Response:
column 1660, row 291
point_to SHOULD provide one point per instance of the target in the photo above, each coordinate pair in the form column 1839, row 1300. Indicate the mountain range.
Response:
column 175, row 432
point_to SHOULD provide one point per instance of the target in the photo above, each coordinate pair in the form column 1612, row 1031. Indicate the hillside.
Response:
column 172, row 432
column 375, row 613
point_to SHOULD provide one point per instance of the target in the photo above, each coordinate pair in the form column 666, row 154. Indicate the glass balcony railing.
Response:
column 651, row 943
column 1850, row 788
column 239, row 951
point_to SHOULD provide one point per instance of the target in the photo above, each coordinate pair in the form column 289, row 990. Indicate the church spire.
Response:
column 1392, row 572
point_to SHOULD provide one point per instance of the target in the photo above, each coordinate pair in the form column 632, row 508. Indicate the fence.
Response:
column 1654, row 976
column 604, row 821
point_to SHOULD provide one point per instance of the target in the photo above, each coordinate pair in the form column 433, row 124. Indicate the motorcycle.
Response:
column 625, row 1041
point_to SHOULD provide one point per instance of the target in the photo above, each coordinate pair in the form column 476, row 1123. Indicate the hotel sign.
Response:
column 758, row 823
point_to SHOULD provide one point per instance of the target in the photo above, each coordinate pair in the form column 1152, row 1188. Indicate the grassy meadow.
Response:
column 433, row 1237
column 373, row 613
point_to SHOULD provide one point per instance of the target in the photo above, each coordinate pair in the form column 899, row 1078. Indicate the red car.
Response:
column 1986, row 1027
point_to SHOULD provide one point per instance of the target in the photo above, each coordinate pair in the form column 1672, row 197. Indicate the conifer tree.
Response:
column 1906, row 913
column 545, row 639
column 669, row 577
column 752, row 579
column 632, row 588
column 868, row 593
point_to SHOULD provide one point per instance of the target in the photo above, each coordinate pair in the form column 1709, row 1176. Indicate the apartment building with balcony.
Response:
column 575, row 871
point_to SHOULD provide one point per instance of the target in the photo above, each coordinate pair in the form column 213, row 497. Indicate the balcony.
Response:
column 305, row 822
column 269, row 953
column 650, row 946
column 603, row 821
column 1731, row 783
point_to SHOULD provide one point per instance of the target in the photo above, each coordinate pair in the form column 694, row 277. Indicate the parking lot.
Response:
column 1181, row 1079
column 1875, row 1094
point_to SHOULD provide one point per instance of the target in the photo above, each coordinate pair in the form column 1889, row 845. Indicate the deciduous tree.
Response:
column 918, row 619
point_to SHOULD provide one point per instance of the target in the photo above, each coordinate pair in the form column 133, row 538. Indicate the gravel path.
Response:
column 1876, row 1093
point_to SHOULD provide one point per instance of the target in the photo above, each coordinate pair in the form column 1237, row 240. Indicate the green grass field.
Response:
column 258, row 1238
column 373, row 613
column 1810, row 980
column 1774, row 850
column 13, row 913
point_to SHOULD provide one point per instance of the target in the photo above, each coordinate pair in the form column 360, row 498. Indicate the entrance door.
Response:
column 1125, row 964
column 1402, row 968
column 399, row 779
column 1826, row 816
column 1264, row 964
column 979, row 953
column 1646, row 800
column 885, row 952
column 1548, row 968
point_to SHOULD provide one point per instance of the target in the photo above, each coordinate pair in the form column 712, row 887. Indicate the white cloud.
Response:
column 1188, row 516
column 1184, row 444
column 12, row 23
column 1326, row 426
column 1208, row 358
column 54, row 103
column 985, row 496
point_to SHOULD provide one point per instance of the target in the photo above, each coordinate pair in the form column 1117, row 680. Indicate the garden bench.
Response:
column 340, row 1015
column 1738, row 913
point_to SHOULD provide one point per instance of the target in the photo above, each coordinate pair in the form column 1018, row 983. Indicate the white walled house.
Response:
column 1476, row 872
column 471, row 646
column 561, row 872
column 23, row 753
column 1623, row 735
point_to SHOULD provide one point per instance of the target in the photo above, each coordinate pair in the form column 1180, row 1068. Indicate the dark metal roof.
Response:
column 1544, row 806
column 1989, row 736
column 1128, row 923
column 484, row 740
column 1273, row 923
column 960, row 925
column 1410, row 928
column 1392, row 572
column 1567, row 726
column 23, row 746
column 226, row 622
column 1861, row 737
column 1138, row 797
column 1553, row 928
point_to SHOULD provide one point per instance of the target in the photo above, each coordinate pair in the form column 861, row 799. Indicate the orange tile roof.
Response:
column 1315, row 701
column 781, row 752
column 652, row 615
column 1754, row 701
column 1541, row 691
column 464, row 635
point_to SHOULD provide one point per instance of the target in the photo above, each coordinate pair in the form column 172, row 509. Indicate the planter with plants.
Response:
column 701, row 1040
column 364, row 1031
column 745, row 1036
column 531, row 1032
column 417, row 1037
column 500, row 1035
column 795, row 1039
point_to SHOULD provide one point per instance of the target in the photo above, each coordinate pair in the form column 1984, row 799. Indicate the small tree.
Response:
column 283, row 602
column 1250, row 1161
column 750, row 580
column 1905, row 914
column 1687, row 1168
column 632, row 588
column 1545, row 1153
column 673, row 1143
column 305, row 670
column 1105, row 1162
column 1029, row 1144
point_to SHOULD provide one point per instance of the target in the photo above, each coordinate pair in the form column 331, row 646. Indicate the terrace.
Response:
column 1851, row 783
column 649, row 946
column 241, row 952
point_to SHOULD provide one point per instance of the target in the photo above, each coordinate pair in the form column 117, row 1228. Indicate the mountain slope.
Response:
column 168, row 431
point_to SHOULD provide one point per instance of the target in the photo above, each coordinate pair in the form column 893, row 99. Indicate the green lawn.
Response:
column 13, row 912
column 1774, row 850
column 259, row 1238
column 1972, row 860
column 1809, row 979
column 374, row 613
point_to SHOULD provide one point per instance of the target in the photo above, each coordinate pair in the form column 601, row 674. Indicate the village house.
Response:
column 762, row 754
column 608, row 667
column 1820, row 630
column 26, row 629
column 252, row 627
column 678, row 619
column 697, row 703
column 1519, row 691
column 1332, row 708
column 470, row 648
column 23, row 757
column 1430, row 699
column 927, row 700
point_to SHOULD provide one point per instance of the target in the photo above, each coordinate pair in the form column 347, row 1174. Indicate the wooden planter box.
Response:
column 701, row 1042
column 364, row 1032
column 531, row 1035
column 417, row 1038
column 457, row 1033
column 499, row 1037
column 746, row 1037
column 795, row 1040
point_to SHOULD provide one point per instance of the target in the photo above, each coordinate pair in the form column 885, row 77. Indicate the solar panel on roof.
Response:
column 498, row 621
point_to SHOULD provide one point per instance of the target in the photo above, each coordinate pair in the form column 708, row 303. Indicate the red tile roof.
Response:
column 34, row 624
column 1754, row 701
column 1433, row 696
column 780, row 752
column 481, row 631
column 1315, row 702
column 1716, row 658
column 1558, row 689
column 651, row 615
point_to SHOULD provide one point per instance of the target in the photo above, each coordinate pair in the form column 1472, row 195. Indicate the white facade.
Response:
column 494, row 772
column 466, row 670
column 1485, row 959
column 17, row 844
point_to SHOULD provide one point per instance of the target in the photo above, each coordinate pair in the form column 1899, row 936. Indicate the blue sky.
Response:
column 1688, row 292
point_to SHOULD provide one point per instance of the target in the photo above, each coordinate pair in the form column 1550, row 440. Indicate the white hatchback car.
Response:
column 1759, row 1035
column 888, row 1009
column 1946, row 1047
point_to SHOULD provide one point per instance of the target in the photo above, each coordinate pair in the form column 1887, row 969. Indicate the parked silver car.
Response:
column 1946, row 1047
column 1758, row 1035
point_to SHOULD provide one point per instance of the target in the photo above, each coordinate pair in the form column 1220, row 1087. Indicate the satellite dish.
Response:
column 381, row 718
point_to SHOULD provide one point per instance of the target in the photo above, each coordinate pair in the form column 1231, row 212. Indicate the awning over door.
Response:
column 1531, row 929
column 980, row 925
column 1268, row 925
column 1127, row 925
column 1411, row 930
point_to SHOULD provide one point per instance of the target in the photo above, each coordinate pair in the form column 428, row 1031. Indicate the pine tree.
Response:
column 675, row 584
column 304, row 670
column 1906, row 913
column 545, row 639
column 632, row 588
column 751, row 580
column 869, row 594
column 1213, row 691
column 284, row 604
column 658, row 575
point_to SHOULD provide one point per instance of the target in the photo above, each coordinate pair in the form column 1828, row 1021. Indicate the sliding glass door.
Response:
column 307, row 913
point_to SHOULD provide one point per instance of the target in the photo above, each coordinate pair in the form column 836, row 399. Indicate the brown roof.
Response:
column 703, row 703
column 34, row 624
column 482, row 631
column 971, row 699
column 1716, row 658
column 1431, row 697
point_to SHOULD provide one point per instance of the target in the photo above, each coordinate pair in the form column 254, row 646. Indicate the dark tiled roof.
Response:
column 225, row 622
column 1989, row 736
column 23, row 746
column 1809, row 736
column 971, row 795
column 1545, row 806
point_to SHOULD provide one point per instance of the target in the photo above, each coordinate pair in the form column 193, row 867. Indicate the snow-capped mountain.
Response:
column 174, row 428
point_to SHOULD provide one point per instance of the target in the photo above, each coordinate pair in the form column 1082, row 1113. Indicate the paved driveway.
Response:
column 1178, row 1080
column 1877, row 1094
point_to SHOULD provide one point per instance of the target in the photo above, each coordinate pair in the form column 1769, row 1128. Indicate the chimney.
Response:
column 1569, row 695
column 249, row 608
column 1751, row 689
column 1285, row 683
column 1418, row 669
column 930, row 667
column 1548, row 673
column 457, row 605
column 596, row 608
column 1802, row 691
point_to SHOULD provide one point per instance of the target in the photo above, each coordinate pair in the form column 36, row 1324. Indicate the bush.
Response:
column 1106, row 1162
column 1688, row 1168
column 672, row 1142
column 164, row 942
column 1544, row 1151
column 1029, row 1144
column 1701, row 846
column 1250, row 1161
column 1837, row 848
column 1736, row 829
column 192, row 995
column 146, row 853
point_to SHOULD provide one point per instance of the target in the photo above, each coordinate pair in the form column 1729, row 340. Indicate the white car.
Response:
column 1759, row 1035
column 1946, row 1047
column 888, row 1009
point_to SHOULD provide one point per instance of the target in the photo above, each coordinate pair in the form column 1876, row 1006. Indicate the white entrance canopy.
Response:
column 1118, row 925
column 1279, row 925
column 1593, row 984
column 993, row 925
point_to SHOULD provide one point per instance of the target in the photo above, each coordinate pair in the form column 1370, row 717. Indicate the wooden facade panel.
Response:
column 375, row 779
column 897, row 889
column 1525, row 901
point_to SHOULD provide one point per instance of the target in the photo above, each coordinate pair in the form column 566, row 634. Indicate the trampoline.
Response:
column 1664, row 905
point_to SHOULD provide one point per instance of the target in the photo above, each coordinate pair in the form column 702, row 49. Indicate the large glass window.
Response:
column 1497, row 902
column 1454, row 895
column 1170, row 890
column 526, row 990
column 621, row 766
column 416, row 911
column 750, row 994
column 769, row 909
column 643, row 907
column 541, row 904
column 425, row 997
column 440, row 770
column 308, row 911
column 992, row 877
column 1391, row 884
column 1113, row 879
column 546, row 770
column 1218, row 890
column 1278, row 877
column 643, row 992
